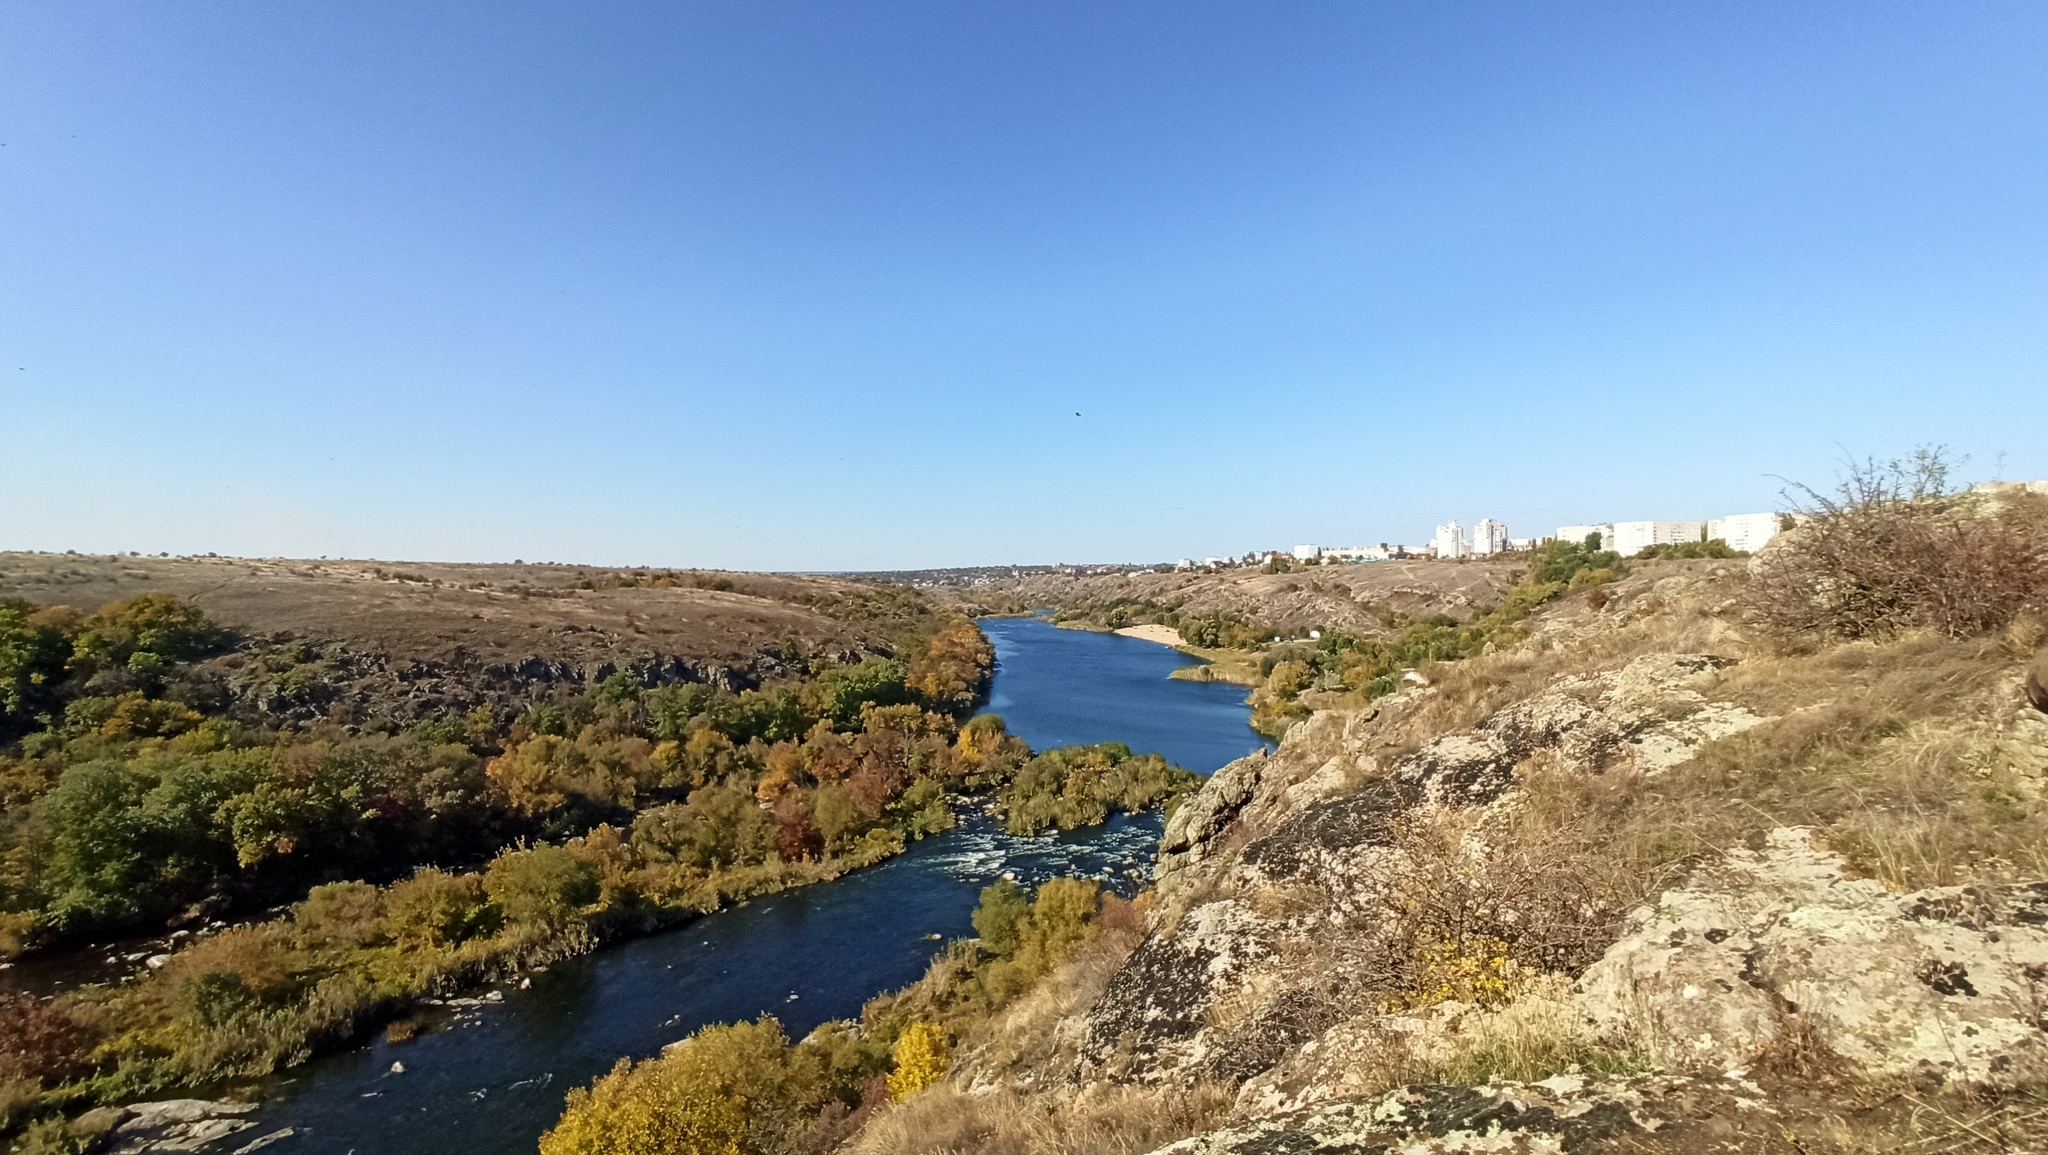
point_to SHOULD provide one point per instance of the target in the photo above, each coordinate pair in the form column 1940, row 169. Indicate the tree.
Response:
column 164, row 625
column 32, row 657
column 1000, row 917
column 542, row 887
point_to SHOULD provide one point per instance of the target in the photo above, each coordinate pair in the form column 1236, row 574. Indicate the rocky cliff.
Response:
column 1639, row 883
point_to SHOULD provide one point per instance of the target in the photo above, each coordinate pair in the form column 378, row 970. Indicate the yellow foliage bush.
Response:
column 922, row 1054
column 1479, row 970
column 656, row 1108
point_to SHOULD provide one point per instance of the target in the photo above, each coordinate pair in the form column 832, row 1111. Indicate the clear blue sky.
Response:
column 819, row 286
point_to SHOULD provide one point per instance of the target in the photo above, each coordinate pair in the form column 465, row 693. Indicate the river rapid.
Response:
column 491, row 1078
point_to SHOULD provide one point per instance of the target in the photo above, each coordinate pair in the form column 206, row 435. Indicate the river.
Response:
column 492, row 1078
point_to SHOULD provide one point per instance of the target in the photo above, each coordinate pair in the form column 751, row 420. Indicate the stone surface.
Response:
column 173, row 1125
column 1947, row 984
column 1559, row 1115
column 1269, row 868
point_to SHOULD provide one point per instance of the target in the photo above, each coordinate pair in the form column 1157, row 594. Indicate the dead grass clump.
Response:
column 1102, row 1120
column 1531, row 1039
column 1893, row 550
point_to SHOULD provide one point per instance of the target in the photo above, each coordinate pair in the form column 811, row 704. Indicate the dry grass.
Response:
column 1855, row 1120
column 1889, row 749
column 1665, row 607
column 1103, row 1120
column 1024, row 1043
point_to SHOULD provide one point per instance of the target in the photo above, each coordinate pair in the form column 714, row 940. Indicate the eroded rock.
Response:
column 1780, row 946
column 173, row 1125
column 1564, row 1114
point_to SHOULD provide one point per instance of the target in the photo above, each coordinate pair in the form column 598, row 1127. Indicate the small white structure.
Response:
column 1450, row 541
column 1521, row 544
column 1489, row 537
column 1631, row 537
column 1356, row 553
column 1308, row 553
column 1748, row 532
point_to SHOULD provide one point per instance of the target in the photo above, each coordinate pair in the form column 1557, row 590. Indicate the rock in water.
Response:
column 174, row 1125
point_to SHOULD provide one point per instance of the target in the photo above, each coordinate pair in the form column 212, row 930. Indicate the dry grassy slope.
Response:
column 433, row 612
column 396, row 643
column 1696, row 892
column 1324, row 596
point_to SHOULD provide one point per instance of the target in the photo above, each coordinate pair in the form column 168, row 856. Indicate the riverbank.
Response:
column 489, row 1077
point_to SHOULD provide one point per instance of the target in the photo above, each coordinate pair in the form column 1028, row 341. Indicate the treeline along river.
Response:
column 491, row 1079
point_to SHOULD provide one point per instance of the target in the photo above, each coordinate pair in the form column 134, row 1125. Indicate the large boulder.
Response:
column 1781, row 948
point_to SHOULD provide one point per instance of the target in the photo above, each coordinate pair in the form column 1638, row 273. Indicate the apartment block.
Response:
column 1632, row 536
column 1744, row 531
column 1450, row 541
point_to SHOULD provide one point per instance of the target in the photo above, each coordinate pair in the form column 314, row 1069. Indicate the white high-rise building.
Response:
column 1631, row 537
column 1748, row 532
column 1489, row 537
column 1450, row 541
column 1308, row 553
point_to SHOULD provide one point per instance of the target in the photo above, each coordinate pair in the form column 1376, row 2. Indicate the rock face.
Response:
column 1779, row 947
column 1280, row 878
column 171, row 1125
column 1277, row 864
column 1562, row 1114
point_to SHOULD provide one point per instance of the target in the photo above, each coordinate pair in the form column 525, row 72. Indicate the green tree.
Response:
column 164, row 625
column 433, row 910
column 1000, row 917
column 102, row 852
column 32, row 657
column 542, row 887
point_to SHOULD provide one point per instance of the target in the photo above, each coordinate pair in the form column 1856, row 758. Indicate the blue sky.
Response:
column 821, row 286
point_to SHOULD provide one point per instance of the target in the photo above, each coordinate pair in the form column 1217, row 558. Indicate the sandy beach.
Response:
column 1164, row 635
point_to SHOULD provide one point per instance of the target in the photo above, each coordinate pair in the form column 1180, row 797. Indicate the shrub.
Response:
column 434, row 909
column 1710, row 548
column 543, row 887
column 1892, row 550
column 348, row 913
column 40, row 1041
column 1001, row 915
column 653, row 1109
column 1076, row 786
column 922, row 1054
column 725, row 1090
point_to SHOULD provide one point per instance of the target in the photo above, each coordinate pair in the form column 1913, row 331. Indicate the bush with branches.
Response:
column 1894, row 549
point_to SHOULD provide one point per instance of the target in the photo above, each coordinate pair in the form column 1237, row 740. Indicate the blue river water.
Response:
column 1056, row 687
column 491, row 1078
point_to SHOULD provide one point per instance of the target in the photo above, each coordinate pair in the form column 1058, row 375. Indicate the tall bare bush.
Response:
column 1893, row 549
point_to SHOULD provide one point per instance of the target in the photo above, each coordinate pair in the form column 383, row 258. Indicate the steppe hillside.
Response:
column 1351, row 597
column 402, row 640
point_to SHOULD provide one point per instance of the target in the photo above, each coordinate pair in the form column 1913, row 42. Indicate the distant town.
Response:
column 1742, row 531
column 1746, row 532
